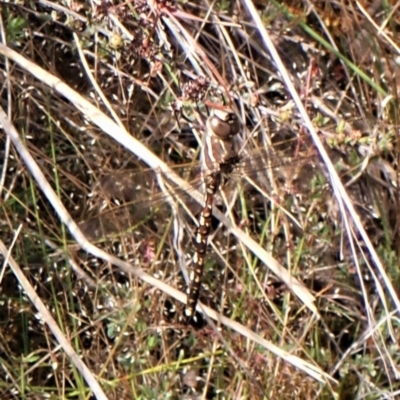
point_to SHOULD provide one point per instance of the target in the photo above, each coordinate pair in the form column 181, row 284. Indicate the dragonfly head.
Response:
column 223, row 123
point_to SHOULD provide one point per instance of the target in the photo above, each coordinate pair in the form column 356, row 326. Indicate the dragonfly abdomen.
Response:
column 203, row 231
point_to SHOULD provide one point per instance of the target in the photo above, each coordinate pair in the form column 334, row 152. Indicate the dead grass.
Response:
column 80, row 321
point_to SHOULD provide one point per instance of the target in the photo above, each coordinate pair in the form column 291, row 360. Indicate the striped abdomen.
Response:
column 212, row 183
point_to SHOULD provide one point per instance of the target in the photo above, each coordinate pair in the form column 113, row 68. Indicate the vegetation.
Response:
column 103, row 104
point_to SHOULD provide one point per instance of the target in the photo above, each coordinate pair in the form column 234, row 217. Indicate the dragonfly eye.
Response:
column 224, row 124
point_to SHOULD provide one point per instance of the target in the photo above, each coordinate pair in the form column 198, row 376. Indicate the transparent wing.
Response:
column 121, row 200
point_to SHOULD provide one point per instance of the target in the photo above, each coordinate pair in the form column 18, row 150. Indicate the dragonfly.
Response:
column 219, row 159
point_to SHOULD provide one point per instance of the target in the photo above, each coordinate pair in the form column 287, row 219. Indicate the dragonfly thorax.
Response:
column 219, row 142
